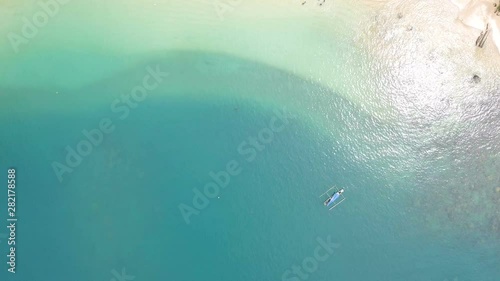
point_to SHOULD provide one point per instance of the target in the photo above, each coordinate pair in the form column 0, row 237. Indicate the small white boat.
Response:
column 330, row 200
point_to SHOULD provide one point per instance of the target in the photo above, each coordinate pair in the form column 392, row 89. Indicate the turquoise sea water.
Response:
column 119, row 208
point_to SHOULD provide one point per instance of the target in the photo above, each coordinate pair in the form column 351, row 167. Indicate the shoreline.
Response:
column 479, row 14
column 354, row 49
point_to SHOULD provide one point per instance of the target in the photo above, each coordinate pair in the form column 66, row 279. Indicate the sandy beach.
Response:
column 330, row 42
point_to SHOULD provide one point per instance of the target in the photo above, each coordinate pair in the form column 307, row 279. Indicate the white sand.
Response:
column 479, row 13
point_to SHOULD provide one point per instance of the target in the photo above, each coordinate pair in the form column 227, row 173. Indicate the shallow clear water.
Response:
column 120, row 206
column 388, row 114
